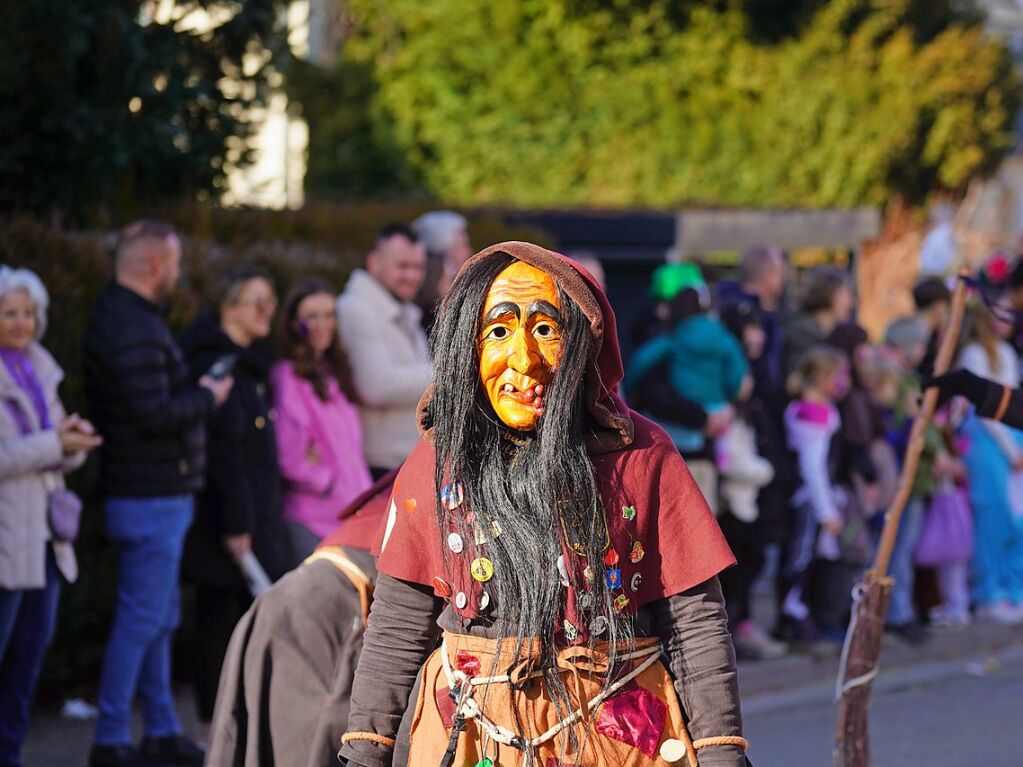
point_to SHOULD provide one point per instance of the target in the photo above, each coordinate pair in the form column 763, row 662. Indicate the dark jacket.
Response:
column 242, row 493
column 768, row 369
column 802, row 333
column 142, row 401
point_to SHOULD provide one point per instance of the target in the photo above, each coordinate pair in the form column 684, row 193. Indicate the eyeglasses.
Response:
column 260, row 304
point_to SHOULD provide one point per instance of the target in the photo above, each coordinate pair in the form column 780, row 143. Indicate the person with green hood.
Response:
column 703, row 360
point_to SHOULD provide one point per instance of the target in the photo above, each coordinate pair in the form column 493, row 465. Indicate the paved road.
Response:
column 939, row 716
column 927, row 711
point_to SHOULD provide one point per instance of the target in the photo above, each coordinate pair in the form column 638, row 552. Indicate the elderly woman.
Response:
column 38, row 444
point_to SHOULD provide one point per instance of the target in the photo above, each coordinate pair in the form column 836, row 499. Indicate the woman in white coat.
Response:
column 38, row 444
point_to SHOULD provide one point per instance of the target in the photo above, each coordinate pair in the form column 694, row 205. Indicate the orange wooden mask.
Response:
column 519, row 343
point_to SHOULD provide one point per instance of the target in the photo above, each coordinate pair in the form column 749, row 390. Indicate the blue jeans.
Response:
column 27, row 620
column 900, row 609
column 150, row 536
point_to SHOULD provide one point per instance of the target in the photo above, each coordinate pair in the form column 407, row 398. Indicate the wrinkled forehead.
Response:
column 522, row 285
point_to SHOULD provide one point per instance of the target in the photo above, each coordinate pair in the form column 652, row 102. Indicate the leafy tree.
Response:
column 107, row 108
column 661, row 103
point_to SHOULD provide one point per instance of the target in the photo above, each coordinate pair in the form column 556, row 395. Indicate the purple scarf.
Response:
column 24, row 375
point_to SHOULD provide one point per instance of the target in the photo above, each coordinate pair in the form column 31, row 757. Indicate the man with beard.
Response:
column 555, row 547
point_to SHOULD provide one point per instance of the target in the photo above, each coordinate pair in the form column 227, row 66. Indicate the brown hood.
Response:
column 613, row 428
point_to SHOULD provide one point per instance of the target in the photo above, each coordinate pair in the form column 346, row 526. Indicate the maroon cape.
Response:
column 663, row 538
column 361, row 518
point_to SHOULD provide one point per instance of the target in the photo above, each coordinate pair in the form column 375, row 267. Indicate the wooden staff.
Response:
column 870, row 596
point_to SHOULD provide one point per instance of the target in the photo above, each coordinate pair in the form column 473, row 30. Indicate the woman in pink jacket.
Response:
column 319, row 437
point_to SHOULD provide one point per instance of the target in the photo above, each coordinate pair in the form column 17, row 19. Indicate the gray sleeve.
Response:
column 693, row 627
column 401, row 634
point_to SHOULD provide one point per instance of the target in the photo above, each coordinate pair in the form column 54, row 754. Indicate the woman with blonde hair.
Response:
column 39, row 443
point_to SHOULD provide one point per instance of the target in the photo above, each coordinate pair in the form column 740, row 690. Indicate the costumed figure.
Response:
column 287, row 679
column 547, row 591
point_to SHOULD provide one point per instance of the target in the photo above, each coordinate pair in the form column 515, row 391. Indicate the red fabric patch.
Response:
column 446, row 706
column 467, row 664
column 634, row 717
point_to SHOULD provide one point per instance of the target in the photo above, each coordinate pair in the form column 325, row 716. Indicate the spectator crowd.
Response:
column 223, row 464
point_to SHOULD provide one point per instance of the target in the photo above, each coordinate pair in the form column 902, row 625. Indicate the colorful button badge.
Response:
column 628, row 513
column 455, row 543
column 441, row 587
column 637, row 552
column 452, row 495
column 482, row 569
column 613, row 578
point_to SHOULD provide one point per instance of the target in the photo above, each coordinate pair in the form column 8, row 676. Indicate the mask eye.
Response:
column 545, row 331
column 497, row 333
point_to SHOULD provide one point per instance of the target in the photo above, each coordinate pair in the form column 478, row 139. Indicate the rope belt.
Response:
column 469, row 708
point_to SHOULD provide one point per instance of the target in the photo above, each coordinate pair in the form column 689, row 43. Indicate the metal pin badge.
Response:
column 599, row 625
column 461, row 600
column 571, row 632
column 636, row 581
column 628, row 513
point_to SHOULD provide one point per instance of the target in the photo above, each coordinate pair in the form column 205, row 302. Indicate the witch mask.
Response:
column 519, row 343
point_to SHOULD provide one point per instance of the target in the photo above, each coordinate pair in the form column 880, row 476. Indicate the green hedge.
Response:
column 660, row 103
column 321, row 240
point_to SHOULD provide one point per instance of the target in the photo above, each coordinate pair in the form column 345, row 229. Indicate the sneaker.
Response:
column 942, row 618
column 753, row 643
column 113, row 756
column 173, row 751
column 1002, row 613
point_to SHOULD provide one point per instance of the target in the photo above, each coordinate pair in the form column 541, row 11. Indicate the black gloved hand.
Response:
column 963, row 383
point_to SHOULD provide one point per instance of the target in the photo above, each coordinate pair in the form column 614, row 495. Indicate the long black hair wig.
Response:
column 539, row 488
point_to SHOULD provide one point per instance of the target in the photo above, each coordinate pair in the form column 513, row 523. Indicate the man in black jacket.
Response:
column 151, row 464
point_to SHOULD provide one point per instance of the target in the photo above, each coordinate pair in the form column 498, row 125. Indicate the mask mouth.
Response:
column 524, row 396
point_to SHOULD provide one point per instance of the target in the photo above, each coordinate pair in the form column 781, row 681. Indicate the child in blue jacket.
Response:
column 705, row 362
